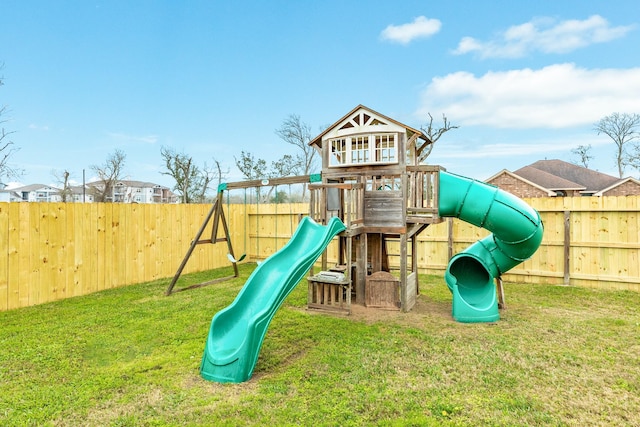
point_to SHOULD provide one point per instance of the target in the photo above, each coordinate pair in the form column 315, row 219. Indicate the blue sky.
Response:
column 524, row 80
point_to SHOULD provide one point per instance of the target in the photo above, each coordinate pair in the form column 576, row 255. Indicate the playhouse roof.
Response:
column 373, row 115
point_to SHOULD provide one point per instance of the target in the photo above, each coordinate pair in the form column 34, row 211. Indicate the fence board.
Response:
column 4, row 260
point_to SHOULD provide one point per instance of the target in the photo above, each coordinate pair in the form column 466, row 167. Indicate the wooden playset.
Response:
column 372, row 180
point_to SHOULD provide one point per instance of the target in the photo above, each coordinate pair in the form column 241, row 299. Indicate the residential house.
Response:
column 38, row 193
column 9, row 196
column 127, row 191
column 123, row 192
column 550, row 178
column 80, row 194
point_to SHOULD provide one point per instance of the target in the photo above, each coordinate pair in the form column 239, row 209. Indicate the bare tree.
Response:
column 583, row 153
column 297, row 133
column 109, row 173
column 191, row 182
column 62, row 178
column 251, row 168
column 183, row 170
column 622, row 129
column 7, row 147
column 634, row 157
column 208, row 175
column 288, row 165
column 213, row 173
column 434, row 134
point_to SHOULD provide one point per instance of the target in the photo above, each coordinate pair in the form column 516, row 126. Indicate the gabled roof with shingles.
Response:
column 560, row 175
column 128, row 183
column 139, row 184
column 547, row 180
column 34, row 187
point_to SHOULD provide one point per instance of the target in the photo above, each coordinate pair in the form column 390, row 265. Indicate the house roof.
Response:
column 130, row 183
column 560, row 175
column 547, row 180
column 139, row 184
column 318, row 139
column 34, row 187
column 78, row 189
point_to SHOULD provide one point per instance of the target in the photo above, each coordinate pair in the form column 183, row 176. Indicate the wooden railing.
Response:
column 351, row 200
column 422, row 192
column 337, row 199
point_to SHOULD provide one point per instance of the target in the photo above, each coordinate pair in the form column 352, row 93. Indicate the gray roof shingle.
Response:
column 560, row 175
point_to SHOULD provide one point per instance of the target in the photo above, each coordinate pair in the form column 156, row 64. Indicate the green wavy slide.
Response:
column 237, row 331
column 517, row 233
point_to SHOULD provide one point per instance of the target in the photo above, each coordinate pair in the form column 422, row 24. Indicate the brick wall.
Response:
column 629, row 188
column 516, row 187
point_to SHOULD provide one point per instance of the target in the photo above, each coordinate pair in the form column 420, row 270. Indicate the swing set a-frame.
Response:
column 216, row 214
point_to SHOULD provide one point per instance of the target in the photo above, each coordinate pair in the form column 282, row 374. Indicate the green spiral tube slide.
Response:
column 517, row 233
column 237, row 331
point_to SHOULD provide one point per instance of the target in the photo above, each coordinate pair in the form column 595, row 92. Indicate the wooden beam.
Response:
column 424, row 168
column 343, row 186
column 270, row 182
column 416, row 229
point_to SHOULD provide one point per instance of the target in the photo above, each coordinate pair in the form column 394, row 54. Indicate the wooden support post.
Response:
column 361, row 268
column 403, row 273
column 500, row 291
column 414, row 261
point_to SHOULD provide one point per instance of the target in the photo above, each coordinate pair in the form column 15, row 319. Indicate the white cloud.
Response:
column 405, row 33
column 146, row 139
column 544, row 35
column 556, row 96
column 38, row 127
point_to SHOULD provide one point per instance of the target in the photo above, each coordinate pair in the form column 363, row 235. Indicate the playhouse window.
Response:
column 371, row 148
column 360, row 149
column 338, row 152
column 385, row 148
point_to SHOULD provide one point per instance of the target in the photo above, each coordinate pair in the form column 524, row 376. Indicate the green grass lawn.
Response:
column 131, row 357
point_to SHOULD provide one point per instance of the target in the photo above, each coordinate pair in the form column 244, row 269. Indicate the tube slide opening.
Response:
column 473, row 280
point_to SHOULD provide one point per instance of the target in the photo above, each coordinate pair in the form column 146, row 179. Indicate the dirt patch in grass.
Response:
column 425, row 308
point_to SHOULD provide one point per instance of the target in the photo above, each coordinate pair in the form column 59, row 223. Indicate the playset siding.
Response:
column 52, row 251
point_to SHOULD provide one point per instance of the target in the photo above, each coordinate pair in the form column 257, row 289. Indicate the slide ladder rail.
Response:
column 237, row 331
column 516, row 235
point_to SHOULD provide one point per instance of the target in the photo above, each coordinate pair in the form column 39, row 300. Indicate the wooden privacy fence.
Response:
column 588, row 241
column 51, row 251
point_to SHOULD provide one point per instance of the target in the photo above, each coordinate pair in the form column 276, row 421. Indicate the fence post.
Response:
column 449, row 238
column 567, row 246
